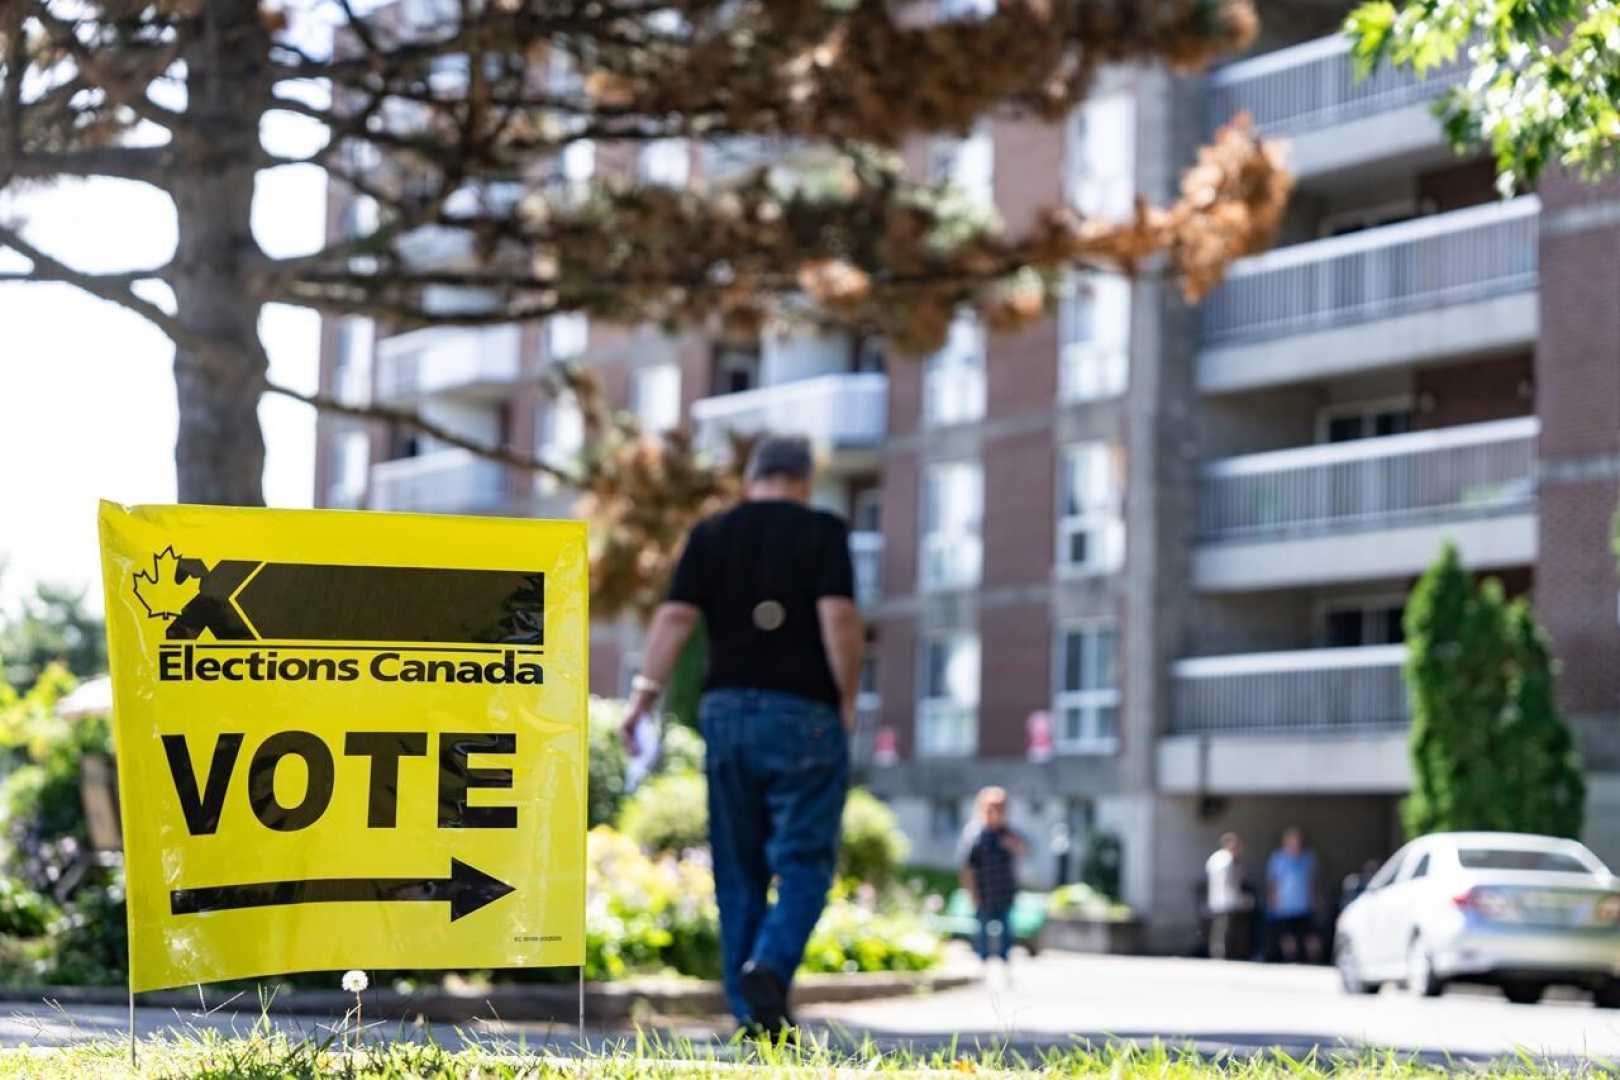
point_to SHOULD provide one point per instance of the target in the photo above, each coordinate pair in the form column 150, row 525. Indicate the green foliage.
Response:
column 851, row 937
column 1541, row 79
column 24, row 913
column 1080, row 899
column 1100, row 869
column 873, row 845
column 52, row 627
column 668, row 814
column 1488, row 747
column 607, row 762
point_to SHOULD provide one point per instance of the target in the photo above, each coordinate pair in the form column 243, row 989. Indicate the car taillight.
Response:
column 1489, row 905
column 1608, row 910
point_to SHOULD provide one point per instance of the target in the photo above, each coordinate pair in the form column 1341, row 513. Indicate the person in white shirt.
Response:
column 1224, row 874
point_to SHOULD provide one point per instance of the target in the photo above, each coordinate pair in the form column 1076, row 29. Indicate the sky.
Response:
column 87, row 406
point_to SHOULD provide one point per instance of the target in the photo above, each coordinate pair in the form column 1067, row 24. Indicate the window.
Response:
column 1100, row 157
column 868, row 356
column 953, row 377
column 567, row 335
column 1094, row 317
column 1421, row 869
column 658, row 397
column 1087, row 705
column 346, row 483
column 1546, row 862
column 944, row 819
column 866, row 513
column 561, row 432
column 952, row 517
column 1364, row 420
column 664, row 161
column 948, row 707
column 1348, row 624
column 1091, row 533
column 735, row 369
column 351, row 376
column 967, row 163
column 951, row 10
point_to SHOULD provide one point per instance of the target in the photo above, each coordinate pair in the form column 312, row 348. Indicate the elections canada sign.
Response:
column 347, row 740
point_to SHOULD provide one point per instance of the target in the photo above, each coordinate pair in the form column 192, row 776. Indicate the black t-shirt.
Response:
column 756, row 572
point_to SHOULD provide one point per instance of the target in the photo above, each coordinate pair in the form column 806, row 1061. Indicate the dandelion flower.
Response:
column 355, row 981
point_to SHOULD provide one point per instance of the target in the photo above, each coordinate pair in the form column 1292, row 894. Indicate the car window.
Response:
column 1387, row 872
column 1555, row 862
column 1421, row 869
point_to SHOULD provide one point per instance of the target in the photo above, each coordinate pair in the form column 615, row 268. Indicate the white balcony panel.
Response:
column 446, row 360
column 1310, row 720
column 1373, row 508
column 1425, row 262
column 1310, row 95
column 839, row 413
column 1470, row 328
column 441, row 482
column 1374, row 763
column 1483, row 543
column 1461, row 471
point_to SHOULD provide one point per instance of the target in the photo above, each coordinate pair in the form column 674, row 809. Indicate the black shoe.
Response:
column 766, row 995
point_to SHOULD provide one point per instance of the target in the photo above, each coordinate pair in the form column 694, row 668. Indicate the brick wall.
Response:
column 897, row 678
column 1015, row 645
column 1020, row 485
column 1578, row 399
column 1473, row 392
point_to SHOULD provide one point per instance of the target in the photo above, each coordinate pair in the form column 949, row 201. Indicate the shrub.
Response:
column 24, row 913
column 873, row 845
column 851, row 937
column 668, row 814
column 607, row 762
column 1083, row 901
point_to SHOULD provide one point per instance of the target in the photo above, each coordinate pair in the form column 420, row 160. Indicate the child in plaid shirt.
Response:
column 989, row 854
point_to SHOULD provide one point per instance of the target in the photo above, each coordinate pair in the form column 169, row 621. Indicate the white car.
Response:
column 1517, row 911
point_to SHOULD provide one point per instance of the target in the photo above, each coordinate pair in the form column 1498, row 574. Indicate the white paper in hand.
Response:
column 644, row 754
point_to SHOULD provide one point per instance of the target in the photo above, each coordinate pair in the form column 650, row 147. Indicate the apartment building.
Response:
column 1144, row 563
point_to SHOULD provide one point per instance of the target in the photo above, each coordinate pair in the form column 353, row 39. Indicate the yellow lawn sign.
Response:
column 347, row 740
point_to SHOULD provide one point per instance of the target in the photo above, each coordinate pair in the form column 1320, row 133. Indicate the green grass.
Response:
column 267, row 1055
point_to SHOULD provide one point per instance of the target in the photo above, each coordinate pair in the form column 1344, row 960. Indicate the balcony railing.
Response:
column 1428, row 262
column 863, row 740
column 1312, row 690
column 1472, row 468
column 441, row 482
column 1314, row 85
column 441, row 359
column 838, row 412
column 866, row 550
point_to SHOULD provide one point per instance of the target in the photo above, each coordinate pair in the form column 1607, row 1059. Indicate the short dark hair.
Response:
column 785, row 456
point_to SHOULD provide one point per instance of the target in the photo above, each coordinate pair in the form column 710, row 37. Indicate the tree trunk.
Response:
column 219, row 452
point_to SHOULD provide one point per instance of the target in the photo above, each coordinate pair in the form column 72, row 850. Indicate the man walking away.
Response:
column 1223, row 873
column 773, row 581
column 1291, row 898
column 989, row 859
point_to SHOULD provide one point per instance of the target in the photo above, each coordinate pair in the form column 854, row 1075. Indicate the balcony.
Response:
column 1315, row 720
column 1369, row 509
column 478, row 363
column 1429, row 289
column 1310, row 95
column 866, row 550
column 440, row 482
column 844, row 415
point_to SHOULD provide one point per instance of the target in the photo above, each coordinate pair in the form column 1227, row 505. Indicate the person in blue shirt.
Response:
column 1291, row 899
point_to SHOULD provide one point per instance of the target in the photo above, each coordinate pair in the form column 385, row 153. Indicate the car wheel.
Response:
column 1420, row 977
column 1607, row 996
column 1350, row 972
column 1523, row 993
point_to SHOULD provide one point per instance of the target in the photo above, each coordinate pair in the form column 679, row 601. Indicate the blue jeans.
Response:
column 778, row 770
column 1001, row 919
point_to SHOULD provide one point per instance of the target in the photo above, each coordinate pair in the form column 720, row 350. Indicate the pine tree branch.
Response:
column 505, row 455
column 146, row 164
column 115, row 288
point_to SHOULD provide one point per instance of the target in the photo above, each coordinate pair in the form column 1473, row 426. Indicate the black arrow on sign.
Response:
column 466, row 889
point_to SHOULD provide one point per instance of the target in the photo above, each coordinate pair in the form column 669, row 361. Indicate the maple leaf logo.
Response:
column 161, row 592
